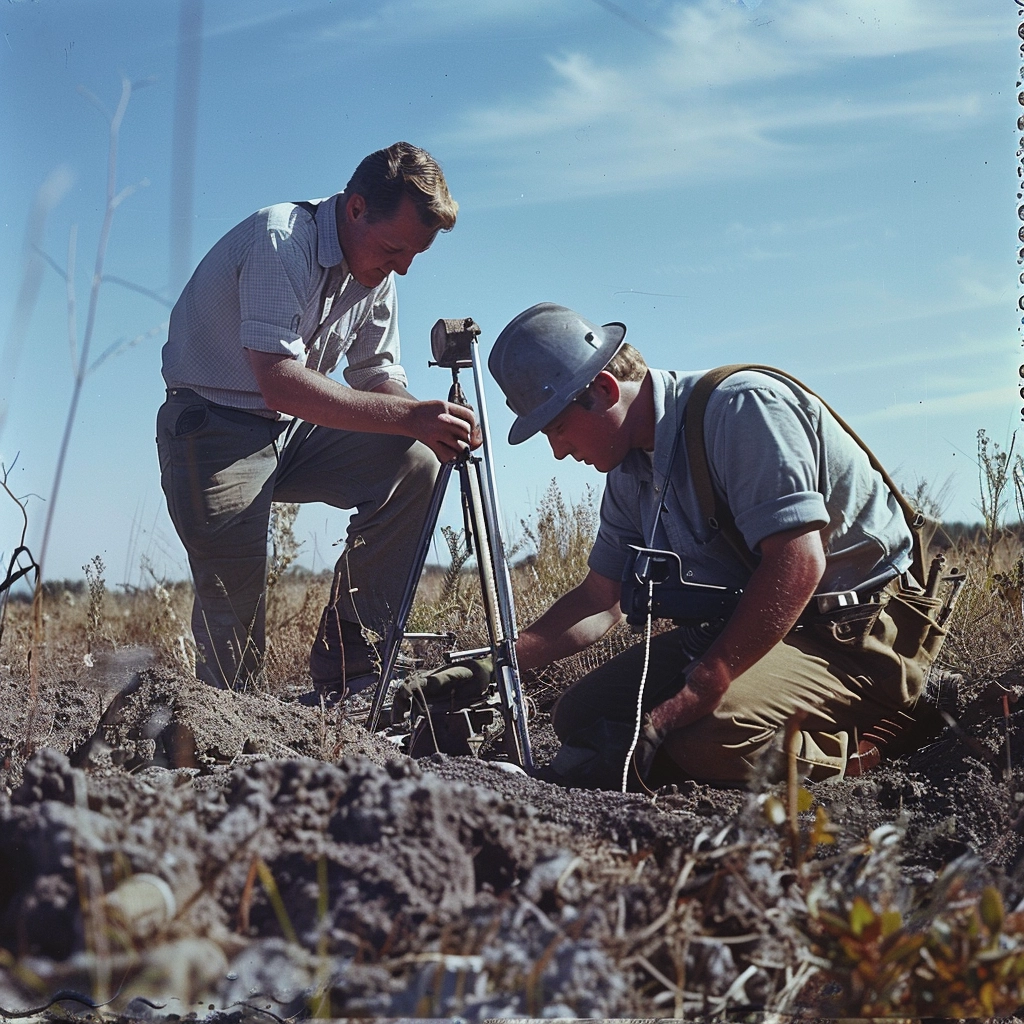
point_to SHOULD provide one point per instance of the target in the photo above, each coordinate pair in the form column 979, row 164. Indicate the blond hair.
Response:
column 627, row 364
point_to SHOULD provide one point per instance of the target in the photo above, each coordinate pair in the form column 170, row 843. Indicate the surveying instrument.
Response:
column 453, row 344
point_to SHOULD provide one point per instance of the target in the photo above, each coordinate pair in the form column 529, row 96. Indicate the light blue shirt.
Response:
column 260, row 287
column 779, row 459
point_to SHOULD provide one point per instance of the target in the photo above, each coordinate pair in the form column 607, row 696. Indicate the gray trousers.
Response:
column 221, row 469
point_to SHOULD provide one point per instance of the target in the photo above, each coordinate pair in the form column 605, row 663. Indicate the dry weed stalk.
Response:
column 94, row 570
column 996, row 471
column 81, row 365
column 21, row 563
column 561, row 537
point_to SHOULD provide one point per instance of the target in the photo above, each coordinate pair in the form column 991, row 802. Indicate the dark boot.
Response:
column 909, row 730
column 341, row 661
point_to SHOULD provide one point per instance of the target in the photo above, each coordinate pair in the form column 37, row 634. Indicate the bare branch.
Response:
column 127, row 191
column 90, row 322
column 95, row 101
column 69, row 279
column 51, row 262
column 148, row 292
column 123, row 344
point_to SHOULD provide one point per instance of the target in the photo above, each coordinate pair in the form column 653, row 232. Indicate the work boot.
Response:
column 909, row 730
column 341, row 661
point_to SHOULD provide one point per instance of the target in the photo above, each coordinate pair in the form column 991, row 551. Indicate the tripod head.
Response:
column 451, row 342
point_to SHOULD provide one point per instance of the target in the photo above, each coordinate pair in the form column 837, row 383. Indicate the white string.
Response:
column 643, row 683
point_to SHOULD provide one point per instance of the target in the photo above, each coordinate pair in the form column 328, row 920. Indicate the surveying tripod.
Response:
column 454, row 346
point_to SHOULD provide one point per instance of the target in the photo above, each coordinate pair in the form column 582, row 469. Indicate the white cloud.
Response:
column 726, row 91
column 729, row 47
column 256, row 16
column 871, row 322
column 396, row 20
column 945, row 365
column 946, row 405
column 388, row 22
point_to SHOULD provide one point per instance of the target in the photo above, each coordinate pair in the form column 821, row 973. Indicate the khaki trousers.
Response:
column 221, row 469
column 595, row 717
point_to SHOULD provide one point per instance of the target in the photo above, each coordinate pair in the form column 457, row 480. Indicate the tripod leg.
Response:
column 396, row 631
column 470, row 480
column 516, row 736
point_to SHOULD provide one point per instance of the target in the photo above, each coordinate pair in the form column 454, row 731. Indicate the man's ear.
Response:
column 605, row 389
column 355, row 206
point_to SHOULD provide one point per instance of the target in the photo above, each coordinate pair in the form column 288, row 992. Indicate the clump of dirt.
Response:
column 187, row 848
column 350, row 860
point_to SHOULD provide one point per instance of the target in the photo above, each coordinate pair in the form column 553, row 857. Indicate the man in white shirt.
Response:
column 251, row 416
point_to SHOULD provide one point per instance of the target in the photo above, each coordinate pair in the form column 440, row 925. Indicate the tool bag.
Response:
column 887, row 642
column 448, row 709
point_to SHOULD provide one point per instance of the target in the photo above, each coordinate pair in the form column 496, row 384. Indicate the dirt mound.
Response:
column 352, row 860
column 178, row 849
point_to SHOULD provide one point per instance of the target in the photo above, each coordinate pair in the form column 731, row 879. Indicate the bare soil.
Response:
column 184, row 851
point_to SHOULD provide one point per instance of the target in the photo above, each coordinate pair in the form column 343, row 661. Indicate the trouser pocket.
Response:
column 889, row 645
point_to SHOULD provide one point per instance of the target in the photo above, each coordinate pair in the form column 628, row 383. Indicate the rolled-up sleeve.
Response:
column 374, row 354
column 766, row 456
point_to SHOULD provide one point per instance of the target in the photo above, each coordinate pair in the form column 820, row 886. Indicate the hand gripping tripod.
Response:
column 454, row 345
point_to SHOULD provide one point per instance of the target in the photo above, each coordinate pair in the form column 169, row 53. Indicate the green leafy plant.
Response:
column 966, row 961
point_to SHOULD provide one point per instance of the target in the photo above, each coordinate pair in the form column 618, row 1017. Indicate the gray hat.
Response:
column 547, row 357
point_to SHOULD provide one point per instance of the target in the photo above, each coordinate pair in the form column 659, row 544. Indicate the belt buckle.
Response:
column 838, row 599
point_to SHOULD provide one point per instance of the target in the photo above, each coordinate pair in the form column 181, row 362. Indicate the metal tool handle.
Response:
column 506, row 665
column 396, row 631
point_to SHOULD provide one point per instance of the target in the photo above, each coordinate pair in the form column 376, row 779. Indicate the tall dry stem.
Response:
column 21, row 562
column 995, row 472
column 284, row 545
column 80, row 364
column 80, row 357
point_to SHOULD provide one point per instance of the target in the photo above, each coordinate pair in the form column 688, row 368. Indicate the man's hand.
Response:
column 647, row 745
column 446, row 428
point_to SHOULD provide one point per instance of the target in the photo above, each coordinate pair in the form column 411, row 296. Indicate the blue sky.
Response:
column 824, row 186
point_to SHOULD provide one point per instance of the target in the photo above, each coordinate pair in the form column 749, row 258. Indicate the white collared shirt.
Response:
column 780, row 461
column 261, row 287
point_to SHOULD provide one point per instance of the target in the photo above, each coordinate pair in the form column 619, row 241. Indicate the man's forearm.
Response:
column 393, row 387
column 575, row 621
column 791, row 567
column 290, row 387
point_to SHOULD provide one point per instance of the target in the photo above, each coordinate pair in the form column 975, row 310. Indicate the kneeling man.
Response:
column 819, row 543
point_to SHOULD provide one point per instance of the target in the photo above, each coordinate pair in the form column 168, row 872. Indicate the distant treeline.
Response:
column 949, row 534
column 946, row 536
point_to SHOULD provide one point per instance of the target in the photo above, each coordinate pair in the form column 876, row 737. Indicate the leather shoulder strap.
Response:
column 717, row 513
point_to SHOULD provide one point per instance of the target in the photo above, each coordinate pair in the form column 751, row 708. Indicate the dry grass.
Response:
column 86, row 620
column 986, row 631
